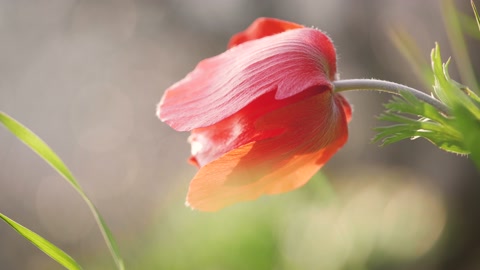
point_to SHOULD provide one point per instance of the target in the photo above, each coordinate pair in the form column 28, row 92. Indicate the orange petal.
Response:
column 314, row 130
column 209, row 143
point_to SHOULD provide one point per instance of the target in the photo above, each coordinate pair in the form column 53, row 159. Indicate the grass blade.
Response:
column 409, row 50
column 458, row 44
column 477, row 17
column 50, row 249
column 469, row 25
column 48, row 155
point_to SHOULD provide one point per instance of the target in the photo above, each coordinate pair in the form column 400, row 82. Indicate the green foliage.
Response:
column 50, row 249
column 48, row 155
column 366, row 216
column 457, row 132
column 470, row 125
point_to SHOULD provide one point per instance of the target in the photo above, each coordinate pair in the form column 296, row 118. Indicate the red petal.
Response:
column 289, row 63
column 346, row 107
column 313, row 130
column 262, row 27
column 209, row 143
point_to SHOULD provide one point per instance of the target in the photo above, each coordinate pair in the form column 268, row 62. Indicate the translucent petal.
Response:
column 312, row 131
column 287, row 63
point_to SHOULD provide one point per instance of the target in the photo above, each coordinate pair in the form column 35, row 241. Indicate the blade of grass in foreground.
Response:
column 50, row 249
column 46, row 153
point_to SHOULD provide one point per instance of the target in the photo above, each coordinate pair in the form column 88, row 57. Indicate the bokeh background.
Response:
column 86, row 77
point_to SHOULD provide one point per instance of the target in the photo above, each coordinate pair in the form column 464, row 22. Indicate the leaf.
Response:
column 50, row 249
column 48, row 155
column 418, row 119
column 407, row 103
column 470, row 125
column 449, row 91
column 459, row 132
column 391, row 134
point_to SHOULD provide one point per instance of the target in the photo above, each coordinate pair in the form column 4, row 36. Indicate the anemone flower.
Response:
column 263, row 115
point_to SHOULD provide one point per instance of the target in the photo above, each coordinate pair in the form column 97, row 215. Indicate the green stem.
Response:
column 388, row 87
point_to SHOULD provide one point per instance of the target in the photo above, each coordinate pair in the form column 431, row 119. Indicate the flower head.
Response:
column 263, row 115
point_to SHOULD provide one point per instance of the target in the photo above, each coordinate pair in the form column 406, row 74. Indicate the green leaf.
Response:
column 432, row 126
column 50, row 249
column 470, row 126
column 449, row 91
column 418, row 119
column 391, row 134
column 48, row 155
column 407, row 103
column 457, row 132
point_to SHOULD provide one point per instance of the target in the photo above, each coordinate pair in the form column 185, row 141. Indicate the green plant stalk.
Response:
column 387, row 87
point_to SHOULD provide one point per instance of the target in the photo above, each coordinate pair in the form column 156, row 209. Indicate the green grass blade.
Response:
column 50, row 249
column 48, row 155
column 458, row 44
column 38, row 146
column 469, row 25
column 405, row 44
column 477, row 17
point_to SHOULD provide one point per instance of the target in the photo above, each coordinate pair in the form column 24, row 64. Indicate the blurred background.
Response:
column 86, row 77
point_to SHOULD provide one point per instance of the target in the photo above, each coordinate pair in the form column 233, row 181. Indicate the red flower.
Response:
column 263, row 115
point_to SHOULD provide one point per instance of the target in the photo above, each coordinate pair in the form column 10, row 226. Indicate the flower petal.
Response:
column 262, row 27
column 209, row 143
column 287, row 63
column 313, row 130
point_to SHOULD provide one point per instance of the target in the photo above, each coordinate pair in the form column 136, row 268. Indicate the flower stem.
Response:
column 388, row 87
